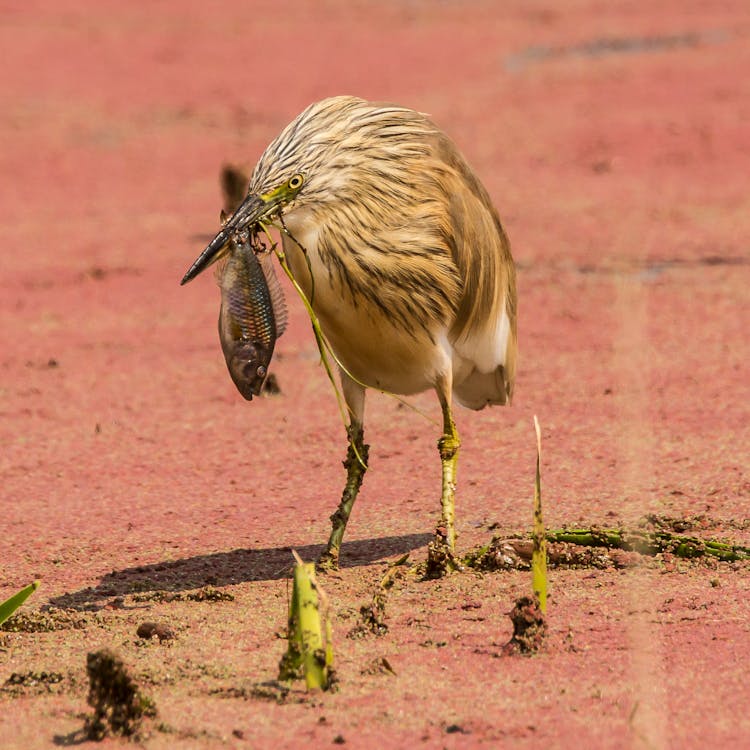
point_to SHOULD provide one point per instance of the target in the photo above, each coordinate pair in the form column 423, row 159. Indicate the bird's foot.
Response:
column 441, row 557
column 328, row 562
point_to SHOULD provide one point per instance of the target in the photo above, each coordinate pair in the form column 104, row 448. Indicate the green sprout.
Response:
column 310, row 645
column 539, row 555
column 9, row 606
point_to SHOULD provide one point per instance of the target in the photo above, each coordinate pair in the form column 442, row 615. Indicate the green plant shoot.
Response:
column 539, row 555
column 310, row 648
column 9, row 606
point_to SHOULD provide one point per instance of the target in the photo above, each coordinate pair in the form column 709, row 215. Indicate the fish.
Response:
column 252, row 316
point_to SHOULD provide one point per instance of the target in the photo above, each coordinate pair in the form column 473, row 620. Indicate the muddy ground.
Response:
column 615, row 141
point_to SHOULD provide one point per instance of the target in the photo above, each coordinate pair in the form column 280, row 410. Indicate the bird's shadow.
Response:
column 226, row 568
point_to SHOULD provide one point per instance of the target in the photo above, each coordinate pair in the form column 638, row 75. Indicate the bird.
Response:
column 402, row 255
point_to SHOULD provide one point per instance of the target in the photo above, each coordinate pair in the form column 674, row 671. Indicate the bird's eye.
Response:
column 295, row 183
column 261, row 371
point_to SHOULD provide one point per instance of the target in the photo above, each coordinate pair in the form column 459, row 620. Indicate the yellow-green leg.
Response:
column 355, row 465
column 441, row 551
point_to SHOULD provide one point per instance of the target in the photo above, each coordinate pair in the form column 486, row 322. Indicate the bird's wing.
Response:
column 484, row 328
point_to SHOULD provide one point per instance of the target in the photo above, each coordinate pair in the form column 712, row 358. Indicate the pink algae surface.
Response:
column 615, row 141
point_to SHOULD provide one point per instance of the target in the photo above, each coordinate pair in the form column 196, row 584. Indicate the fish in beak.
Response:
column 252, row 315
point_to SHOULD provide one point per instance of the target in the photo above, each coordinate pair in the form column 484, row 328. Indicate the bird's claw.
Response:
column 441, row 557
column 328, row 562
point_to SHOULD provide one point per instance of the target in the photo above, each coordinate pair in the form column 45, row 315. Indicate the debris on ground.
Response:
column 372, row 615
column 50, row 620
column 160, row 630
column 602, row 548
column 118, row 703
column 35, row 682
column 529, row 627
column 379, row 665
column 205, row 594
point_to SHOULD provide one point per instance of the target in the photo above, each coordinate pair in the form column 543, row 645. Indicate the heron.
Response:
column 397, row 245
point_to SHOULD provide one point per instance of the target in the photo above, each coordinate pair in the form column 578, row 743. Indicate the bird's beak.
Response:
column 253, row 209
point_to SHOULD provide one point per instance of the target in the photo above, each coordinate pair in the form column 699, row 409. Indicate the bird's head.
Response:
column 281, row 181
column 257, row 207
column 341, row 149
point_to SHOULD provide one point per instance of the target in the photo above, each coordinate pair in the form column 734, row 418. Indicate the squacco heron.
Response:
column 398, row 247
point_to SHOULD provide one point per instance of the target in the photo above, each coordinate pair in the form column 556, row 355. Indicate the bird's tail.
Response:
column 481, row 389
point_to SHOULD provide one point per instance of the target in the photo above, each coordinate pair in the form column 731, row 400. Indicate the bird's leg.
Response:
column 356, row 454
column 355, row 465
column 441, row 551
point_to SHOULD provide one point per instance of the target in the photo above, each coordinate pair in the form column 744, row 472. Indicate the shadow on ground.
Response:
column 226, row 568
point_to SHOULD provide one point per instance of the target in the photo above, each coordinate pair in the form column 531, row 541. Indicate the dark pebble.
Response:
column 159, row 629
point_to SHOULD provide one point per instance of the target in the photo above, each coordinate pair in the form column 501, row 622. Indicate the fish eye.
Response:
column 295, row 183
column 261, row 371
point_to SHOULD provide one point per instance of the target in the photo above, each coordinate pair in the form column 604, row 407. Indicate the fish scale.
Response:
column 248, row 300
column 252, row 315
